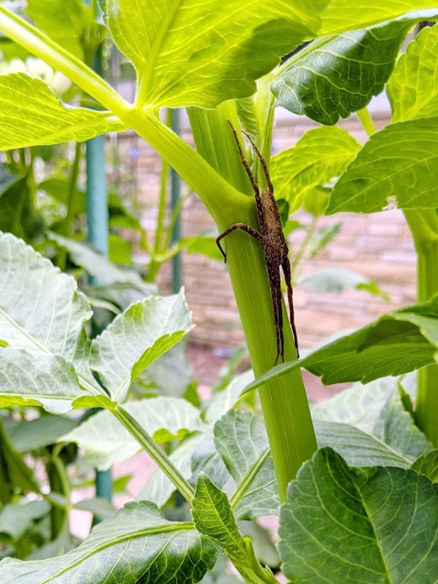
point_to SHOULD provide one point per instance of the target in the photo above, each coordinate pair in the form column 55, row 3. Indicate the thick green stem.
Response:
column 284, row 401
column 424, row 228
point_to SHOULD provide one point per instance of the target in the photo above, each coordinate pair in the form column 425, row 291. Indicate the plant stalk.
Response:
column 424, row 227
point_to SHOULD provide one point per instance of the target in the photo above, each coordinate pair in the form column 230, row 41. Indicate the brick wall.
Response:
column 377, row 245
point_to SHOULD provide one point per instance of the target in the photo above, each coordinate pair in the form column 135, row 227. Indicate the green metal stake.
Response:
column 175, row 196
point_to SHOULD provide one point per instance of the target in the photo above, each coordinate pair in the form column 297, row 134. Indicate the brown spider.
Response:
column 274, row 245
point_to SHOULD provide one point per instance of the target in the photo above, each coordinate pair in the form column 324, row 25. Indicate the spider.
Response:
column 274, row 245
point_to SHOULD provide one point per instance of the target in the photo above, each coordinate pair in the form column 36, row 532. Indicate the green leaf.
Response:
column 105, row 441
column 15, row 475
column 369, row 525
column 98, row 266
column 320, row 155
column 41, row 310
column 98, row 506
column 397, row 167
column 213, row 517
column 46, row 380
column 344, row 15
column 398, row 342
column 339, row 279
column 230, row 45
column 16, row 520
column 337, row 76
column 136, row 544
column 241, row 440
column 31, row 114
column 136, row 338
column 359, row 405
column 357, row 447
column 396, row 427
column 427, row 465
column 413, row 87
column 64, row 21
column 224, row 400
column 28, row 435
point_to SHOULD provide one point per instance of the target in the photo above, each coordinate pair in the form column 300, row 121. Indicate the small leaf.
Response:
column 320, row 155
column 105, row 441
column 340, row 75
column 213, row 517
column 241, row 440
column 136, row 544
column 413, row 87
column 136, row 338
column 397, row 167
column 339, row 279
column 370, row 525
column 344, row 15
column 232, row 46
column 31, row 115
column 427, row 465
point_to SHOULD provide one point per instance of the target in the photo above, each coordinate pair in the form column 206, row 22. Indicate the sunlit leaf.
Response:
column 397, row 167
column 136, row 338
column 188, row 53
column 31, row 114
column 344, row 15
column 413, row 87
column 320, row 155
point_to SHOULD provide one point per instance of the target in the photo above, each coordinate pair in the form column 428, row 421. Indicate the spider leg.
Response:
column 254, row 184
column 262, row 162
column 243, row 227
column 276, row 296
column 287, row 276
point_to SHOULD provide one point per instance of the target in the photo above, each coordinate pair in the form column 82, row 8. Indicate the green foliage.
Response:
column 330, row 503
column 136, row 543
column 363, row 509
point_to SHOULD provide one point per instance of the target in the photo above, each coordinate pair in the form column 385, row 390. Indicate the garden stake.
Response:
column 274, row 245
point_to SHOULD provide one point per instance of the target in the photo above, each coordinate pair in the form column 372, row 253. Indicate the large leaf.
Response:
column 136, row 338
column 427, row 465
column 40, row 308
column 27, row 435
column 398, row 342
column 370, row 525
column 338, row 76
column 213, row 516
column 342, row 15
column 229, row 46
column 397, row 167
column 320, row 155
column 105, row 441
column 31, row 114
column 413, row 87
column 241, row 440
column 136, row 545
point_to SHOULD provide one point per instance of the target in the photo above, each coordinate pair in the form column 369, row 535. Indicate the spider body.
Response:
column 274, row 243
